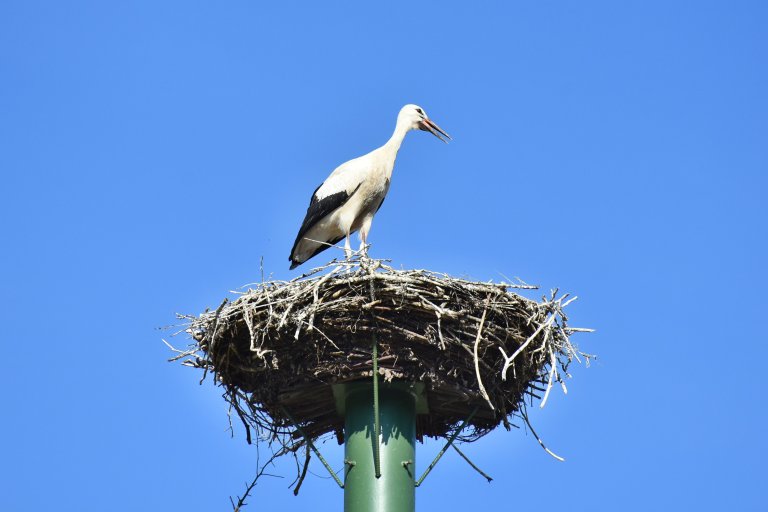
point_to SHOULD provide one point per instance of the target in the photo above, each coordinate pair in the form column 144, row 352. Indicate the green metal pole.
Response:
column 394, row 490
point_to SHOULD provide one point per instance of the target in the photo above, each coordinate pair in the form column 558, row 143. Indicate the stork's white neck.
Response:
column 393, row 144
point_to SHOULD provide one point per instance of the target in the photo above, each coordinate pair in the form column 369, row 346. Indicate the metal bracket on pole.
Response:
column 312, row 447
column 407, row 463
column 348, row 466
column 442, row 452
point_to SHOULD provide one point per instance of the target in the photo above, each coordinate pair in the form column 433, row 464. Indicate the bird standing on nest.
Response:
column 349, row 198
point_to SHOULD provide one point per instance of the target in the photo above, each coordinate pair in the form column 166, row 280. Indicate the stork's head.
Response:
column 416, row 119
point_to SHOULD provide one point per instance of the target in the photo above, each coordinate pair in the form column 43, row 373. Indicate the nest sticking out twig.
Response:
column 282, row 345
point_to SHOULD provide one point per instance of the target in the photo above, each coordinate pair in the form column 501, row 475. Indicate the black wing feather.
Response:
column 319, row 208
column 320, row 249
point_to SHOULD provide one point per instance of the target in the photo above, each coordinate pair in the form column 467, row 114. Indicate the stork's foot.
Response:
column 365, row 260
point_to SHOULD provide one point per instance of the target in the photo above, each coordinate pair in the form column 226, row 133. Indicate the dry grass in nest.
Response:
column 476, row 346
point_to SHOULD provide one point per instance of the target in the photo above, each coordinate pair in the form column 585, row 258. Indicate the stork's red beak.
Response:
column 428, row 126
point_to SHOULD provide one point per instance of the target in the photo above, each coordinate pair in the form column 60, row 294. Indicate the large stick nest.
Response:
column 477, row 346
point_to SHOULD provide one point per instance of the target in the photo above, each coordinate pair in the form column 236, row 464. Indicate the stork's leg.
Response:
column 363, row 251
column 347, row 247
column 364, row 229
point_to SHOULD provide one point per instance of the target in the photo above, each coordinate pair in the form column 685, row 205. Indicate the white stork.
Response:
column 349, row 198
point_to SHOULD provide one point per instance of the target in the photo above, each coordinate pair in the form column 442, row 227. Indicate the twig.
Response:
column 472, row 463
column 552, row 371
column 483, row 392
column 553, row 454
column 236, row 507
column 303, row 473
column 509, row 360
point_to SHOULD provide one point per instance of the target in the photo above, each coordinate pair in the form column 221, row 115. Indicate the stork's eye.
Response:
column 420, row 111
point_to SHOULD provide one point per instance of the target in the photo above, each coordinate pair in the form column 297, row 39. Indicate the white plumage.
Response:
column 349, row 198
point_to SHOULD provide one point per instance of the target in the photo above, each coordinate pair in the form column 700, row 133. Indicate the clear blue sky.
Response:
column 152, row 152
